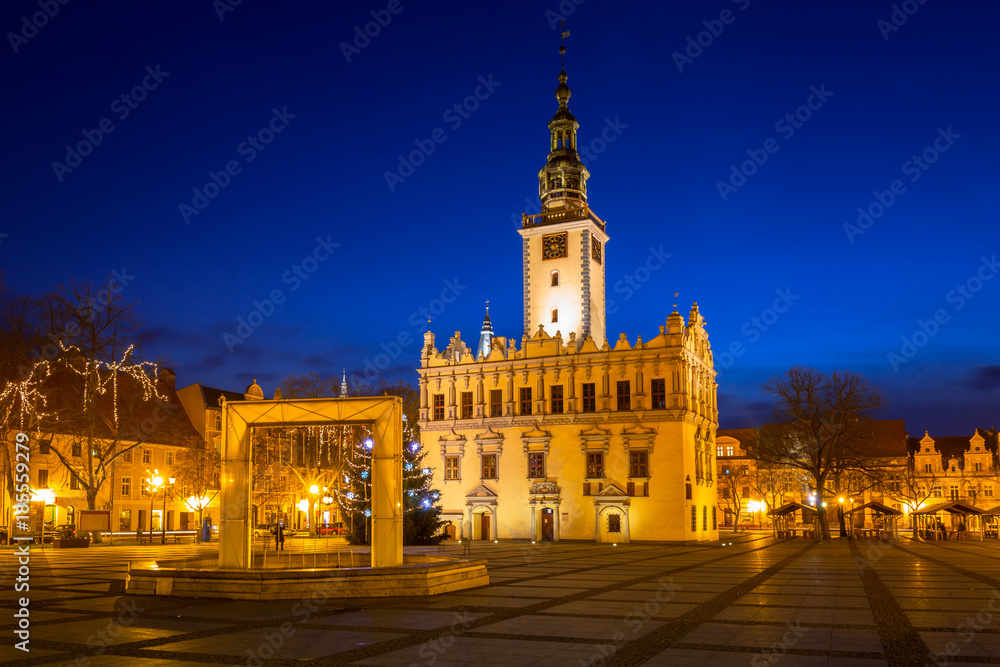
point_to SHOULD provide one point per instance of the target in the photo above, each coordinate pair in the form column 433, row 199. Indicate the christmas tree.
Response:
column 421, row 503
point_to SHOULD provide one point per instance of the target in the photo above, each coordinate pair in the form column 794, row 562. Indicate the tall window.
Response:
column 979, row 466
column 218, row 421
column 496, row 403
column 555, row 279
column 77, row 449
column 589, row 397
column 718, row 451
column 127, row 456
column 595, row 464
column 170, row 458
column 438, row 412
column 658, row 392
column 614, row 523
column 489, row 466
column 928, row 468
column 43, row 447
column 536, row 465
column 555, row 315
column 638, row 464
column 126, row 487
column 451, row 467
column 147, row 456
column 624, row 395
column 556, row 395
column 43, row 478
column 525, row 395
column 729, row 450
column 466, row 405
column 74, row 482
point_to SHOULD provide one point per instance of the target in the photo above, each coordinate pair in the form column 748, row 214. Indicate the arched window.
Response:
column 71, row 514
column 555, row 315
column 555, row 279
column 218, row 422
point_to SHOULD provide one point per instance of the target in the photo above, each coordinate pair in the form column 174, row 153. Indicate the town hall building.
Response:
column 572, row 436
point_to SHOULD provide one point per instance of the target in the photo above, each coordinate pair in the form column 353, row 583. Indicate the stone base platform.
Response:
column 420, row 574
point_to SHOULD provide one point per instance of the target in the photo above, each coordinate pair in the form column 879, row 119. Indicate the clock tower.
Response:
column 562, row 248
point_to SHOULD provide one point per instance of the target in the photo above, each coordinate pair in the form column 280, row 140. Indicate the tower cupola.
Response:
column 562, row 183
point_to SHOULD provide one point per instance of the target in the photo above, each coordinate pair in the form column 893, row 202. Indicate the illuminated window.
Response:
column 466, row 405
column 556, row 396
column 451, row 467
column 536, row 465
column 614, row 523
column 438, row 412
column 589, row 397
column 525, row 394
column 595, row 464
column 555, row 279
column 496, row 402
column 126, row 487
column 729, row 450
column 718, row 451
column 489, row 466
column 659, row 394
column 555, row 315
column 638, row 464
column 624, row 395
column 125, row 520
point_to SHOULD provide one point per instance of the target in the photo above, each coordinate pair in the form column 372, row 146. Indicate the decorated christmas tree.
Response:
column 421, row 509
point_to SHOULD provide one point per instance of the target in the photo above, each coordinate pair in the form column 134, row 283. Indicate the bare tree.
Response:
column 198, row 477
column 735, row 482
column 818, row 428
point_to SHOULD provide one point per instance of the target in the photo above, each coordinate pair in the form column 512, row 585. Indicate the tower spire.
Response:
column 343, row 385
column 562, row 183
column 486, row 336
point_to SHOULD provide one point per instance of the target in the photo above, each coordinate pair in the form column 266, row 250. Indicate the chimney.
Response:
column 167, row 379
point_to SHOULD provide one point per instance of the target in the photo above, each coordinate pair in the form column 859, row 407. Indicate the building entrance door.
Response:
column 547, row 519
column 484, row 526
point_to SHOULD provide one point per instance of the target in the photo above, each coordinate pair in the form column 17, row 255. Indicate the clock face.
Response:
column 554, row 246
column 595, row 249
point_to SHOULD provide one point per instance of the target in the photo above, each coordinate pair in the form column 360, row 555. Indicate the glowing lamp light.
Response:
column 840, row 500
column 48, row 496
column 314, row 489
column 157, row 481
column 303, row 505
column 824, row 504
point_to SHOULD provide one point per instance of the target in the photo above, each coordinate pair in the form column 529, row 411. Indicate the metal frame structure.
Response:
column 383, row 414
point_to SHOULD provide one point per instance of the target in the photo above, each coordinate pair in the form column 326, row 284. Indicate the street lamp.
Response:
column 163, row 515
column 153, row 483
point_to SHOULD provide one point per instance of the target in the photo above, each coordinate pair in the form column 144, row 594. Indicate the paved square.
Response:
column 757, row 602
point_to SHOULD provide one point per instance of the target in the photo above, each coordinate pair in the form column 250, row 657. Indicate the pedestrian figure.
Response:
column 279, row 537
column 138, row 534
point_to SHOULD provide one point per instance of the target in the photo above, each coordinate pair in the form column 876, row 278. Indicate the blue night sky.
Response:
column 673, row 128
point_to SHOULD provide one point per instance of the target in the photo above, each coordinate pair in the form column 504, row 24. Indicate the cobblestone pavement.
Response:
column 754, row 602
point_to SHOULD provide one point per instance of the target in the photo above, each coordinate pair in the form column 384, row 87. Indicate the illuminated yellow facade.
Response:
column 569, row 437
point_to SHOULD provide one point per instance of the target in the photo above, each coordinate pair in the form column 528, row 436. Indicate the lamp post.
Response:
column 153, row 483
column 163, row 515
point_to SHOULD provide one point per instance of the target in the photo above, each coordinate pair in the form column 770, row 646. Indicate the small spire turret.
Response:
column 486, row 336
